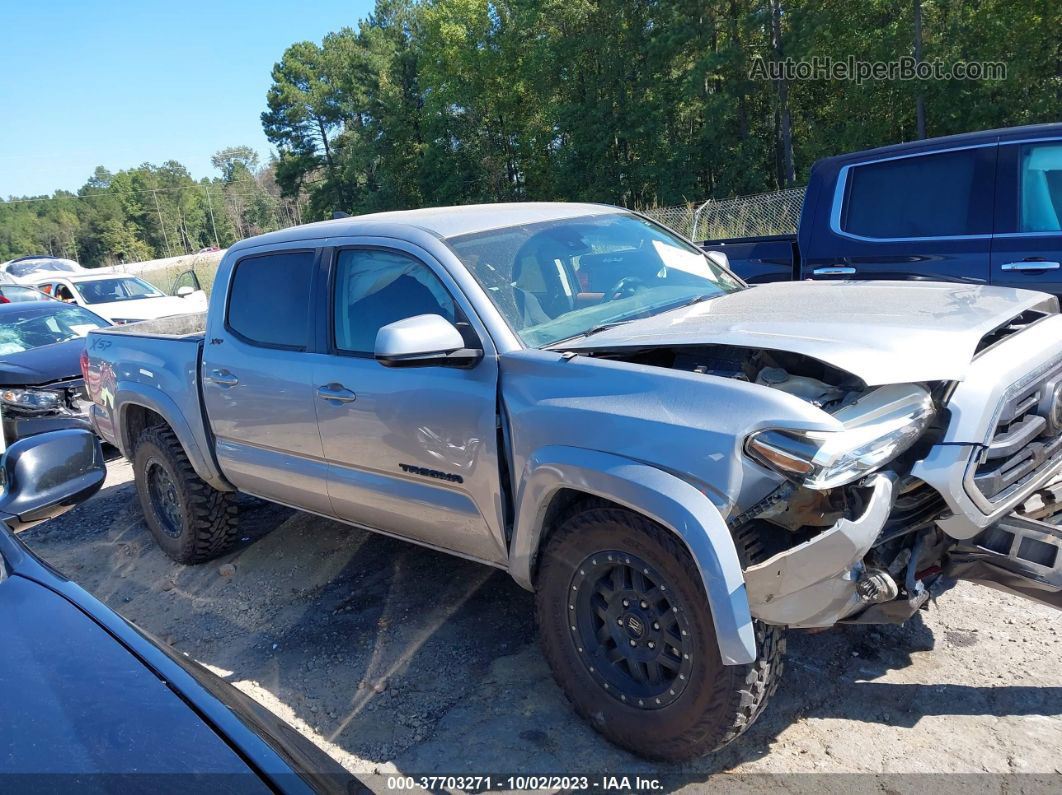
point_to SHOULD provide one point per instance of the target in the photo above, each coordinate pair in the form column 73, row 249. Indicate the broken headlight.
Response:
column 30, row 399
column 879, row 426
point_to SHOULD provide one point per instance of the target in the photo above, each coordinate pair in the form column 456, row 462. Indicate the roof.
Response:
column 961, row 139
column 442, row 222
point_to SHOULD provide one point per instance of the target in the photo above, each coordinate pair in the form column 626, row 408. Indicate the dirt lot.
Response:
column 396, row 658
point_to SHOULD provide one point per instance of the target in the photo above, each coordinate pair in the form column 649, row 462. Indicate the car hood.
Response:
column 143, row 308
column 882, row 332
column 42, row 365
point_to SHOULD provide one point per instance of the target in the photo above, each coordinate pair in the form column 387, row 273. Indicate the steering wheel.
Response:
column 624, row 288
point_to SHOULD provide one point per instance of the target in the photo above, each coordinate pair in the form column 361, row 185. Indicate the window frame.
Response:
column 326, row 336
column 842, row 189
column 309, row 344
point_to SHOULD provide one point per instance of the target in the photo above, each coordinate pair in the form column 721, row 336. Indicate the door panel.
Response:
column 258, row 395
column 412, row 451
column 1027, row 248
column 920, row 217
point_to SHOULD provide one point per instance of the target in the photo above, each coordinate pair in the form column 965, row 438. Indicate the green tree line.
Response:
column 636, row 102
column 147, row 212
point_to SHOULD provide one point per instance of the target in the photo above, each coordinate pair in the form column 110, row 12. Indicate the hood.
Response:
column 42, row 365
column 143, row 308
column 882, row 332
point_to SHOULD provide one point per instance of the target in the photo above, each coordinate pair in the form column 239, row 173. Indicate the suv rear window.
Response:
column 269, row 299
column 937, row 195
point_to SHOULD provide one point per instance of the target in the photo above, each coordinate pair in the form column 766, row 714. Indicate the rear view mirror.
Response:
column 423, row 341
column 185, row 291
column 719, row 258
column 46, row 475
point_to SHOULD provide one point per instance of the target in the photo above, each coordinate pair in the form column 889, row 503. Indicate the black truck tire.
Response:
column 192, row 521
column 704, row 704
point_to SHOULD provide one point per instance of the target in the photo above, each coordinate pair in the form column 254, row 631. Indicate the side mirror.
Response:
column 184, row 291
column 719, row 258
column 48, row 474
column 423, row 341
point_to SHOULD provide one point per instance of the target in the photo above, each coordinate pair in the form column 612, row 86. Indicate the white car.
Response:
column 122, row 298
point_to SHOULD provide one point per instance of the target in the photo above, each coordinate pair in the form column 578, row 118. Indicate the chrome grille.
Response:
column 1027, row 436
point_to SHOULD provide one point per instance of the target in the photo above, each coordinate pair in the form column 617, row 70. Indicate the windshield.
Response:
column 33, row 327
column 561, row 279
column 108, row 291
column 43, row 265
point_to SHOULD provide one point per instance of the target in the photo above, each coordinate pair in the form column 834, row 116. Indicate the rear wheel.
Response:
column 627, row 630
column 189, row 519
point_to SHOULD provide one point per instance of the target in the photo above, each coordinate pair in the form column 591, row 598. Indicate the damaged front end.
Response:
column 30, row 410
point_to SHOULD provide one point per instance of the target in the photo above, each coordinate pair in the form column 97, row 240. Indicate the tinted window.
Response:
column 1041, row 188
column 925, row 196
column 374, row 288
column 269, row 299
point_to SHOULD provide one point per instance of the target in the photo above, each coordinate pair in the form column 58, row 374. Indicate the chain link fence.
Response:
column 774, row 213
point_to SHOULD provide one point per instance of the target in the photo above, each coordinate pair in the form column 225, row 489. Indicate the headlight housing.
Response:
column 34, row 400
column 878, row 427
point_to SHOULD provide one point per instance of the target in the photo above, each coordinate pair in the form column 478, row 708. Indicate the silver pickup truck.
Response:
column 678, row 465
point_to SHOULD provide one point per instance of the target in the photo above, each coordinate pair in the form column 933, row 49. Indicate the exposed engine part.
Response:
column 812, row 390
column 876, row 586
column 1045, row 503
column 799, row 375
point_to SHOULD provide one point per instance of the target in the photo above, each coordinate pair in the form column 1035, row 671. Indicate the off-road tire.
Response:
column 720, row 701
column 204, row 524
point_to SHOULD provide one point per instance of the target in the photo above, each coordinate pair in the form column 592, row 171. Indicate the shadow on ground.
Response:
column 394, row 653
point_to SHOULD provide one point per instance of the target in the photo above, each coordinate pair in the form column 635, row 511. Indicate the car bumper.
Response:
column 815, row 584
column 16, row 427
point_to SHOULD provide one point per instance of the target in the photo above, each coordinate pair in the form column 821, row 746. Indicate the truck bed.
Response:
column 173, row 327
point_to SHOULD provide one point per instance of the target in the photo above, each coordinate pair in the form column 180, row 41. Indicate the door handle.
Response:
column 336, row 392
column 833, row 271
column 1030, row 265
column 223, row 378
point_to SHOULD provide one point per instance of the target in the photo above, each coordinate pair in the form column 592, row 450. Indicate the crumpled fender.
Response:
column 666, row 499
column 130, row 393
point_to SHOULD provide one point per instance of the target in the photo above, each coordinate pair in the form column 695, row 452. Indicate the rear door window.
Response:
column 1041, row 188
column 269, row 299
column 945, row 194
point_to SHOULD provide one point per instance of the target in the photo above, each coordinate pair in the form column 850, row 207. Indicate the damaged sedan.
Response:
column 678, row 465
column 41, row 388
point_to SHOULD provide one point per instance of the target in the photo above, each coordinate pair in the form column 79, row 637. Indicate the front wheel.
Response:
column 189, row 519
column 628, row 633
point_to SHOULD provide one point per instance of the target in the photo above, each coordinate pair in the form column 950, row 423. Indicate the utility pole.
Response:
column 158, row 209
column 210, row 207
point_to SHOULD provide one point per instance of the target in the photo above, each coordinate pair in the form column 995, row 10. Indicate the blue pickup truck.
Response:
column 982, row 207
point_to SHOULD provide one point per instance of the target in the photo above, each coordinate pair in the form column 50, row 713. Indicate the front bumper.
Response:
column 815, row 584
column 18, row 427
column 974, row 406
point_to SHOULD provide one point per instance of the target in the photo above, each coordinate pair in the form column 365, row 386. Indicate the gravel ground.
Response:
column 396, row 658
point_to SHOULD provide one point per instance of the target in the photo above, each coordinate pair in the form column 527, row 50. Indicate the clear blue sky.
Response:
column 120, row 83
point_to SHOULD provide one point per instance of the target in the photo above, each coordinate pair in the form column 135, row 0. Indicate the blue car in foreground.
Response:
column 89, row 701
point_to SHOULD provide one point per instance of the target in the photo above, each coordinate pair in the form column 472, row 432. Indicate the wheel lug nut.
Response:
column 626, row 602
column 634, row 642
column 656, row 625
column 651, row 645
column 644, row 604
column 619, row 621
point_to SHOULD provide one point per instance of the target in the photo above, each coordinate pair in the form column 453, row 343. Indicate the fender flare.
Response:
column 658, row 495
column 134, row 394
